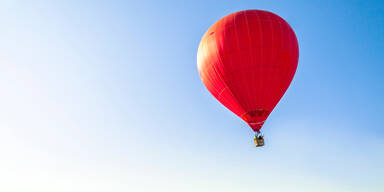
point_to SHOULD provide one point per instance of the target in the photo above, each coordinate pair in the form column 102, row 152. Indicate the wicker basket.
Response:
column 259, row 141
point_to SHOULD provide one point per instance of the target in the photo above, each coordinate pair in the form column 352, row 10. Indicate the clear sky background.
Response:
column 105, row 96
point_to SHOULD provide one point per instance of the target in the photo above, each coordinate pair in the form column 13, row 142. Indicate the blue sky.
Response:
column 105, row 96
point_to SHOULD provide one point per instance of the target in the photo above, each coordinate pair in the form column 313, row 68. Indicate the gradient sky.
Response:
column 105, row 96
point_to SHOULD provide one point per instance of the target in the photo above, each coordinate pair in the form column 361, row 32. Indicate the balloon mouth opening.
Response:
column 256, row 118
column 256, row 126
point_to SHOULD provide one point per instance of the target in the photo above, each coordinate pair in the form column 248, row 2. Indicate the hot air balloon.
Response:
column 247, row 61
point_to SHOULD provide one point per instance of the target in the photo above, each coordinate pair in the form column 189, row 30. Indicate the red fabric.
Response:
column 247, row 61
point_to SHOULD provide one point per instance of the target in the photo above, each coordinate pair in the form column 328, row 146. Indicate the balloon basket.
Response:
column 259, row 141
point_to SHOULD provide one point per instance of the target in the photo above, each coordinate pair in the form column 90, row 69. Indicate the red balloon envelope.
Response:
column 247, row 61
